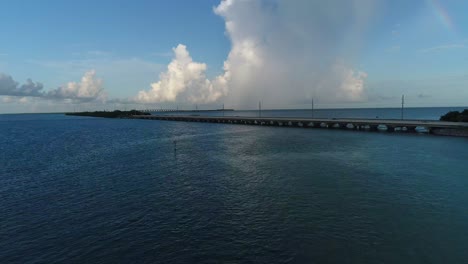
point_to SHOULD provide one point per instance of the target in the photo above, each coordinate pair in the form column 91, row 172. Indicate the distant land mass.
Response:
column 455, row 116
column 108, row 114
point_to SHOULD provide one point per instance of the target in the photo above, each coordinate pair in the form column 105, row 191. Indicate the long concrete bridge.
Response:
column 390, row 125
column 180, row 110
column 159, row 110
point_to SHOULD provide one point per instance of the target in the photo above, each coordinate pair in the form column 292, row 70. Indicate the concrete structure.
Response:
column 159, row 110
column 390, row 125
column 184, row 111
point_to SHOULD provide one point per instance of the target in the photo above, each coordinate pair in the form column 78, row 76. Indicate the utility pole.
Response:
column 312, row 105
column 259, row 109
column 223, row 109
column 402, row 106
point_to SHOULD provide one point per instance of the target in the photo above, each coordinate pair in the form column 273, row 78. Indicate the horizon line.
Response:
column 271, row 109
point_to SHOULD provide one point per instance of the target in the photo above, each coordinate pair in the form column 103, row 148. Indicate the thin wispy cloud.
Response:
column 395, row 48
column 161, row 54
column 424, row 96
column 443, row 48
column 92, row 53
column 97, row 63
column 98, row 53
column 15, row 99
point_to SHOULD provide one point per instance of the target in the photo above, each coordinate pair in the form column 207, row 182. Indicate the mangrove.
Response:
column 455, row 116
column 109, row 114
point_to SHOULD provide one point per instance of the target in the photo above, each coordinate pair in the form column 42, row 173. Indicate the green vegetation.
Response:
column 109, row 114
column 455, row 116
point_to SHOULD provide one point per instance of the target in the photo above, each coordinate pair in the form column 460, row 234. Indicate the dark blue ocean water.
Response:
column 91, row 190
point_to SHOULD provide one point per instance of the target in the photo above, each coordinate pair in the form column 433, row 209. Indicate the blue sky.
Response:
column 39, row 36
column 363, row 54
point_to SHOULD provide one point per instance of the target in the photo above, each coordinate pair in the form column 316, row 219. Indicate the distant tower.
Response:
column 312, row 107
column 259, row 108
column 402, row 106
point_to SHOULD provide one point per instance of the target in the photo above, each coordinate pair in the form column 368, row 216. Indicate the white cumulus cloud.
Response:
column 10, row 87
column 89, row 88
column 184, row 80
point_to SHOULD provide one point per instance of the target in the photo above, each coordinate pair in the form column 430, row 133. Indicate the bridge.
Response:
column 160, row 110
column 177, row 110
column 389, row 125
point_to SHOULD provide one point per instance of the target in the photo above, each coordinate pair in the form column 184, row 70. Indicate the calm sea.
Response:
column 91, row 190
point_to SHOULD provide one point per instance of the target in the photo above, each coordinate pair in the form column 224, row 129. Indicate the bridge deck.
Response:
column 436, row 127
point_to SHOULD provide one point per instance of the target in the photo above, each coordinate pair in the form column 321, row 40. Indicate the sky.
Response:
column 93, row 55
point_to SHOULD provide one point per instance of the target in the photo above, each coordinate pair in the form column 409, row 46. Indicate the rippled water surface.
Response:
column 82, row 190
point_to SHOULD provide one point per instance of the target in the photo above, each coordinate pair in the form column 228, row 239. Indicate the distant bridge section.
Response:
column 389, row 125
column 160, row 110
column 177, row 110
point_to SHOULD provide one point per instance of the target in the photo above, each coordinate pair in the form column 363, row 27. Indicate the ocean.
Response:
column 93, row 190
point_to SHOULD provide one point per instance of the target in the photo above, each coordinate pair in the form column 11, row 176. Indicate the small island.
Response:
column 455, row 116
column 109, row 114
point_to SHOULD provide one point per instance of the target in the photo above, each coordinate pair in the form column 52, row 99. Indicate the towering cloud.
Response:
column 284, row 51
column 184, row 80
column 9, row 87
column 90, row 88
